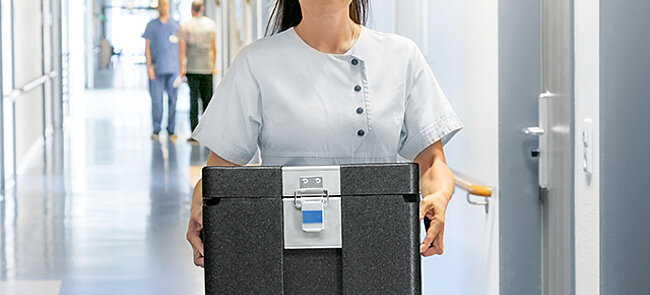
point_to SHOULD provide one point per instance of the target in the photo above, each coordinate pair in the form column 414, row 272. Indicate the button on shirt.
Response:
column 300, row 106
column 163, row 45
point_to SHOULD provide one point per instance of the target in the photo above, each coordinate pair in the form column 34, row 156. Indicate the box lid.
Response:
column 355, row 180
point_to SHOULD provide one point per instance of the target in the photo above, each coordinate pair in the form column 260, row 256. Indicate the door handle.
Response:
column 534, row 131
column 541, row 131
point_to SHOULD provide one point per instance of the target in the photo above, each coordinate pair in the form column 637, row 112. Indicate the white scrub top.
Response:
column 300, row 106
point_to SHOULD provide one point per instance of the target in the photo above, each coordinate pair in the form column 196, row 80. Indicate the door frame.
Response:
column 519, row 205
column 558, row 259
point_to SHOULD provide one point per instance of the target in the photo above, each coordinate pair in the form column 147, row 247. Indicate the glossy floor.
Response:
column 105, row 211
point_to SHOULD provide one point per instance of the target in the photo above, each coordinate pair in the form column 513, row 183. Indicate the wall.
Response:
column 587, row 247
column 460, row 41
column 76, row 45
column 463, row 53
column 624, row 142
column 28, row 60
column 213, row 11
column 382, row 16
column 241, row 26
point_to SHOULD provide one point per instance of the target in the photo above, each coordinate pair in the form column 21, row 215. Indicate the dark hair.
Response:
column 287, row 14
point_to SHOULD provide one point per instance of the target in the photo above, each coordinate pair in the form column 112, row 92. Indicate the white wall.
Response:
column 28, row 61
column 214, row 12
column 460, row 40
column 382, row 16
column 76, row 46
column 587, row 100
column 463, row 52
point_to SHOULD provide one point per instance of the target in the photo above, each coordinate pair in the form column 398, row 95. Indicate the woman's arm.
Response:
column 196, row 212
column 437, row 187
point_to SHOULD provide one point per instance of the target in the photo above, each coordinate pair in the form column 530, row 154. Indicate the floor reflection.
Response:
column 106, row 212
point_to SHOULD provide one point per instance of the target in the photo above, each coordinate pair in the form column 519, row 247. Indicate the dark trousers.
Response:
column 200, row 88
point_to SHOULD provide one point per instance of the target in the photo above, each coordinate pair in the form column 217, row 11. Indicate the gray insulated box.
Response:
column 349, row 229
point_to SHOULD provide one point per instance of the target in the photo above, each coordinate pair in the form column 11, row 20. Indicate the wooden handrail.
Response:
column 474, row 189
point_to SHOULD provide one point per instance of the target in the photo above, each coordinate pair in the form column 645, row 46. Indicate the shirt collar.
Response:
column 356, row 51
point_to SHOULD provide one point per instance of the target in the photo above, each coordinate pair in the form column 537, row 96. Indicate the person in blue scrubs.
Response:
column 325, row 90
column 162, row 67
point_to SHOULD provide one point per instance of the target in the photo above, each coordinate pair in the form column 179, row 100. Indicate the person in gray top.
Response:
column 196, row 57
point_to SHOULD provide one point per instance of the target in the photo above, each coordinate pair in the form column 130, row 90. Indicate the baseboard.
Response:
column 32, row 157
column 34, row 154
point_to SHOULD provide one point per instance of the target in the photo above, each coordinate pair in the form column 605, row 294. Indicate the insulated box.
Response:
column 349, row 229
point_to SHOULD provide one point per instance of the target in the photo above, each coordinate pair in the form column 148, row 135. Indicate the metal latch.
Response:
column 311, row 207
column 311, row 198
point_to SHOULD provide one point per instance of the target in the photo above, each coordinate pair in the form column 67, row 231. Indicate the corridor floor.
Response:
column 106, row 209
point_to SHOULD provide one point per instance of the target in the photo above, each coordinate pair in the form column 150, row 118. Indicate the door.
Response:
column 556, row 148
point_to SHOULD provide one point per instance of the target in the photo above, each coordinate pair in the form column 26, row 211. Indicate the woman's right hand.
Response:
column 194, row 234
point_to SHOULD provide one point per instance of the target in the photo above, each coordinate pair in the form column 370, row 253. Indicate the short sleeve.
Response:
column 147, row 32
column 428, row 116
column 231, row 124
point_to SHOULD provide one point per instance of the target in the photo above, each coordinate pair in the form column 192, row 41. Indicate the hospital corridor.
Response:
column 324, row 147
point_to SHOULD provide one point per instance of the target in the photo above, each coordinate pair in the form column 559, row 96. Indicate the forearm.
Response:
column 437, row 179
column 435, row 176
column 197, row 198
column 147, row 54
column 214, row 53
column 214, row 57
column 181, row 56
column 437, row 186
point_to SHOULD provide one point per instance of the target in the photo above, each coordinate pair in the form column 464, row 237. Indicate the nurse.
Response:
column 325, row 90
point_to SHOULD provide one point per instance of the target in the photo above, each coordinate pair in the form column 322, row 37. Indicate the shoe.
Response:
column 193, row 141
column 172, row 137
column 155, row 137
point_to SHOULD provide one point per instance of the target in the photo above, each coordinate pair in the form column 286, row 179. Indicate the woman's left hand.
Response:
column 433, row 207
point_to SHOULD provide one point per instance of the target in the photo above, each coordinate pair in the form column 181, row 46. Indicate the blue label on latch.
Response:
column 312, row 216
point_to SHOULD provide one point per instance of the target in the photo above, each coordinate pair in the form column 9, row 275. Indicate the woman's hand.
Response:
column 437, row 186
column 433, row 207
column 194, row 234
column 196, row 212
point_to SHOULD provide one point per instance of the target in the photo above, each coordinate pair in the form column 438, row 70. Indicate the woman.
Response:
column 325, row 90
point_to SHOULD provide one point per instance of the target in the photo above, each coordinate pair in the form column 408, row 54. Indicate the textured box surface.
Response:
column 243, row 234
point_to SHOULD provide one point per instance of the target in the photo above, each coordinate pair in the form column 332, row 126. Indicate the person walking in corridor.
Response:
column 197, row 53
column 162, row 67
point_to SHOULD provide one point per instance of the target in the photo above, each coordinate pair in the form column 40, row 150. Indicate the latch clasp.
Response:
column 311, row 198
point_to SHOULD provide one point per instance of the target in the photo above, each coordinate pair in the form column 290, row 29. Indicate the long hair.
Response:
column 287, row 14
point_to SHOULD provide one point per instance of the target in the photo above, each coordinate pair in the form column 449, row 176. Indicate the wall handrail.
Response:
column 15, row 93
column 474, row 189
